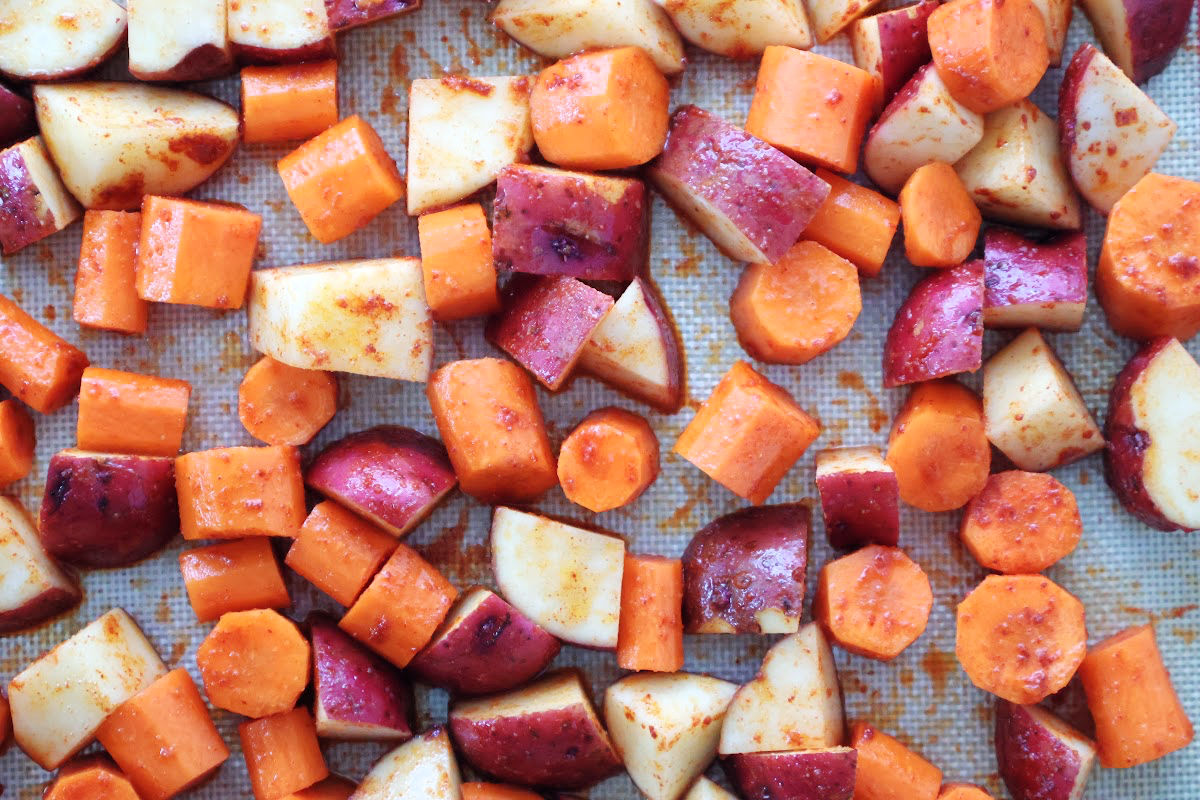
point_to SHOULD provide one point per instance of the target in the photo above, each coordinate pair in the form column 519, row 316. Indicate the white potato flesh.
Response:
column 178, row 41
column 830, row 17
column 55, row 39
column 61, row 699
column 1057, row 16
column 741, row 28
column 793, row 703
column 666, row 727
column 423, row 768
column 286, row 27
column 566, row 579
column 704, row 789
column 364, row 317
column 27, row 572
column 842, row 460
column 461, row 133
column 1032, row 411
column 1016, row 172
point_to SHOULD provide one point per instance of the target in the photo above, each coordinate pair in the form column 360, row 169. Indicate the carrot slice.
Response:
column 941, row 222
column 495, row 791
column 233, row 492
column 282, row 754
column 290, row 101
column 856, row 223
column 123, row 412
column 280, row 404
column 91, row 779
column 105, row 282
column 339, row 552
column 36, row 365
column 233, row 576
column 1022, row 522
column 456, row 258
column 608, row 460
column 254, row 663
column 887, row 770
column 17, row 441
column 650, row 634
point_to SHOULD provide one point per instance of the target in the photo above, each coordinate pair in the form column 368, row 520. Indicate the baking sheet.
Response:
column 1125, row 573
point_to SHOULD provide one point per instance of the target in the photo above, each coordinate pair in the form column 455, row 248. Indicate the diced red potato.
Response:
column 346, row 14
column 860, row 497
column 34, row 203
column 32, row 586
column 1032, row 411
column 1141, row 36
column 423, row 768
column 831, row 17
column 819, row 774
column 187, row 40
column 704, row 789
column 1056, row 14
column 892, row 45
column 939, row 329
column 1040, row 757
column 280, row 31
column 54, row 39
column 16, row 117
column 1034, row 284
column 741, row 28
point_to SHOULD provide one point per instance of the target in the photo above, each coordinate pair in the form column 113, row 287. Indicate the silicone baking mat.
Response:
column 1124, row 572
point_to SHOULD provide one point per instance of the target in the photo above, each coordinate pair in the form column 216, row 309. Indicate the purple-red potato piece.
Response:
column 1040, row 757
column 554, row 222
column 545, row 735
column 749, row 198
column 44, row 40
column 356, row 694
column 346, row 14
column 423, row 768
column 893, row 45
column 184, row 40
column 831, row 17
column 32, row 586
column 105, row 510
column 745, row 571
column 1057, row 16
column 1141, row 36
column 484, row 646
column 1034, row 284
column 16, row 117
column 33, row 201
column 826, row 774
column 280, row 31
column 1153, row 433
column 545, row 322
column 860, row 497
column 939, row 329
column 392, row 475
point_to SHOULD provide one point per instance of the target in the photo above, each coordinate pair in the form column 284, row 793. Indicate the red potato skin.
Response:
column 49, row 603
column 16, row 117
column 860, row 508
column 824, row 774
column 1019, row 271
column 1033, row 763
column 346, row 14
column 939, row 329
column 20, row 225
column 904, row 43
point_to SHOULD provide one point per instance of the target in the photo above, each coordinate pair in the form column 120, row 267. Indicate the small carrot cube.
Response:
column 335, row 787
column 813, row 108
column 254, row 663
column 106, row 281
column 232, row 576
column 289, row 101
column 17, row 441
column 475, row 790
column 608, row 460
column 748, row 434
column 650, row 634
column 1021, row 523
column 856, row 223
column 339, row 552
column 887, row 770
column 194, row 253
column 282, row 404
column 36, row 365
column 456, row 257
column 941, row 221
column 123, row 412
column 91, row 779
column 233, row 492
column 341, row 179
column 282, row 754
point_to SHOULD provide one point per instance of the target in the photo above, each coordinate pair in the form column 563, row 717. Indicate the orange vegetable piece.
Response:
column 335, row 787
column 92, row 778
column 254, row 663
column 607, row 109
column 106, row 280
column 123, row 412
column 748, row 434
column 874, row 602
column 1138, row 714
column 233, row 492
column 887, row 770
column 341, row 179
column 489, row 420
column 989, row 53
column 36, row 365
column 1022, row 522
column 938, row 448
column 339, row 552
column 495, row 791
column 1020, row 637
column 963, row 791
column 855, row 222
column 813, row 108
column 17, row 441
column 650, row 634
column 289, row 101
column 163, row 737
column 608, row 460
column 941, row 222
column 194, row 253
column 281, row 404
column 794, row 310
column 456, row 258
column 401, row 609
column 233, row 576
column 282, row 754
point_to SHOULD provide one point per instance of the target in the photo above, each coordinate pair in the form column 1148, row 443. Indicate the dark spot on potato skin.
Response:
column 490, row 631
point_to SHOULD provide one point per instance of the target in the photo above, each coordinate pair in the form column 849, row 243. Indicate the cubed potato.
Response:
column 280, row 31
column 1034, row 284
column 939, row 329
column 32, row 586
column 1039, row 756
column 33, row 201
column 893, row 45
column 16, row 117
column 860, row 497
column 1141, row 36
column 824, row 774
column 741, row 28
column 187, row 40
column 346, row 14
column 831, row 17
column 421, row 769
column 44, row 40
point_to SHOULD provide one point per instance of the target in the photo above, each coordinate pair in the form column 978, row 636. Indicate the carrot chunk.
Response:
column 608, row 460
column 233, row 576
column 36, row 365
column 280, row 404
column 855, row 222
column 254, row 663
column 650, row 634
column 1021, row 523
column 195, row 253
column 495, row 791
column 1138, row 714
column 887, row 770
column 106, row 280
column 811, row 107
column 91, row 779
column 335, row 787
column 290, row 101
column 456, row 257
column 341, row 179
column 1020, row 637
column 163, row 738
column 282, row 754
column 17, row 441
column 233, row 492
column 748, row 434
column 794, row 310
column 941, row 222
column 339, row 552
column 123, row 412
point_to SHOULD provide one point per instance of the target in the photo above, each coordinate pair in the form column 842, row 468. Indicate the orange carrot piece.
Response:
column 963, row 791
column 1021, row 523
column 874, row 602
column 280, row 404
column 813, row 108
column 123, row 412
column 105, row 282
column 608, row 460
column 254, row 663
column 233, row 576
column 233, row 492
column 401, row 609
column 17, row 441
column 339, row 552
column 938, row 448
column 794, row 310
column 1020, row 637
column 341, row 179
column 855, row 222
column 748, row 434
column 650, row 634
column 456, row 257
column 989, row 53
column 290, row 101
column 607, row 109
column 94, row 778
column 1138, row 714
column 36, row 365
column 887, row 770
column 335, row 787
column 488, row 416
column 495, row 791
column 195, row 253
column 941, row 222
column 163, row 738
column 282, row 754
